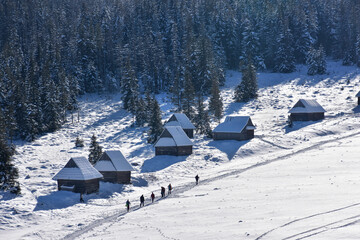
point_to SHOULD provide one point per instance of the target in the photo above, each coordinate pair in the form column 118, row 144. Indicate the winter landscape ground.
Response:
column 286, row 183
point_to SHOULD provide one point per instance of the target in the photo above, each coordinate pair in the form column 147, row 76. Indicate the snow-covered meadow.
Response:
column 285, row 183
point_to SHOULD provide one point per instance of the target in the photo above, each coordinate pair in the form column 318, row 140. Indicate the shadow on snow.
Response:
column 297, row 125
column 229, row 147
column 64, row 199
column 160, row 162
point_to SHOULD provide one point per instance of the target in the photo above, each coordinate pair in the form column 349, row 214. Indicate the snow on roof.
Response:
column 307, row 106
column 82, row 170
column 182, row 120
column 117, row 162
column 233, row 124
column 178, row 138
column 358, row 94
column 165, row 142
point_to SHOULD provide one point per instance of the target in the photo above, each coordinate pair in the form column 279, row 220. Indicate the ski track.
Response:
column 186, row 187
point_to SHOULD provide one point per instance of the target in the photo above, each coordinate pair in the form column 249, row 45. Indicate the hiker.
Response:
column 152, row 197
column 197, row 179
column 127, row 205
column 81, row 198
column 162, row 192
column 142, row 201
column 169, row 188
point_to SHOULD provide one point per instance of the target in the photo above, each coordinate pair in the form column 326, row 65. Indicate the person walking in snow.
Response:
column 197, row 179
column 162, row 192
column 127, row 205
column 169, row 188
column 152, row 197
column 142, row 201
column 81, row 198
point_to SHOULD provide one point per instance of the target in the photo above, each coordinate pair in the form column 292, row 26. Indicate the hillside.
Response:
column 247, row 188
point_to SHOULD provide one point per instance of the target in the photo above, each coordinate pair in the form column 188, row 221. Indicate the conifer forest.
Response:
column 53, row 51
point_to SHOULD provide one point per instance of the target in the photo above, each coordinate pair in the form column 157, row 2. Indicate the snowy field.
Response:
column 285, row 183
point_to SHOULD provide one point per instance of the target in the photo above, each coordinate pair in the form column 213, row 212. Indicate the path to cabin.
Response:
column 183, row 188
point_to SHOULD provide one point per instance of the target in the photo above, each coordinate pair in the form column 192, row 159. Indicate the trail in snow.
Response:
column 317, row 228
column 186, row 187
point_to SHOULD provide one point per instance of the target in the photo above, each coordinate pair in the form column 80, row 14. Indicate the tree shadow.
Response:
column 6, row 196
column 160, row 162
column 115, row 116
column 229, row 147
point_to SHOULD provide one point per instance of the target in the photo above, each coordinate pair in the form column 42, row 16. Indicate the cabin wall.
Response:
column 307, row 116
column 244, row 135
column 173, row 151
column 189, row 132
column 81, row 186
column 358, row 100
column 184, row 150
column 166, row 151
column 116, row 177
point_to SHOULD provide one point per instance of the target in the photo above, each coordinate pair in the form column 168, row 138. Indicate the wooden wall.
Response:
column 81, row 186
column 117, row 177
column 189, row 132
column 244, row 135
column 173, row 151
column 307, row 116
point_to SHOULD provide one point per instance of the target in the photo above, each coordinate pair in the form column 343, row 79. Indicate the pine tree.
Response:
column 215, row 104
column 202, row 120
column 95, row 150
column 155, row 123
column 141, row 117
column 79, row 142
column 285, row 60
column 250, row 47
column 130, row 89
column 247, row 89
column 316, row 61
column 357, row 47
column 8, row 172
column 188, row 97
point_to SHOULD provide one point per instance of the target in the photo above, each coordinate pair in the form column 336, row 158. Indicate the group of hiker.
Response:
column 152, row 196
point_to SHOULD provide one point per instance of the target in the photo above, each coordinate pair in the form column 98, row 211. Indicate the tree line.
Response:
column 53, row 51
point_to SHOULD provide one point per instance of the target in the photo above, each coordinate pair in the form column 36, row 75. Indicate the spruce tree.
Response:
column 188, row 97
column 8, row 172
column 79, row 142
column 215, row 104
column 357, row 49
column 284, row 58
column 130, row 89
column 141, row 117
column 95, row 150
column 316, row 61
column 247, row 89
column 155, row 123
column 202, row 120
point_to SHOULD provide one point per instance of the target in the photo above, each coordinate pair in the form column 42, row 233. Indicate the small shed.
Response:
column 114, row 167
column 180, row 119
column 78, row 176
column 173, row 141
column 235, row 128
column 358, row 96
column 307, row 110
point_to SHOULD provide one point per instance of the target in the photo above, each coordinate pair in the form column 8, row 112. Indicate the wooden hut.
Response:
column 114, row 167
column 173, row 141
column 358, row 96
column 180, row 119
column 307, row 110
column 78, row 176
column 235, row 128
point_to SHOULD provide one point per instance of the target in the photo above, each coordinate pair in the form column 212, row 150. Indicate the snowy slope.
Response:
column 238, row 175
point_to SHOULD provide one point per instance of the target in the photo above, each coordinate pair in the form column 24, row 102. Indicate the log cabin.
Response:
column 235, row 128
